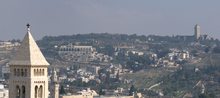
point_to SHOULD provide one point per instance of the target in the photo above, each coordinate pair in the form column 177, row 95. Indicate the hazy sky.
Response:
column 142, row 17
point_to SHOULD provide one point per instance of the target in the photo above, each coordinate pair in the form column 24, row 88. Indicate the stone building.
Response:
column 93, row 69
column 77, row 53
column 4, row 69
column 28, row 71
column 196, row 36
column 197, row 31
column 3, row 92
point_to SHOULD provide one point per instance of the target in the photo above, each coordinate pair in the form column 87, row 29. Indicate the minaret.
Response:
column 28, row 71
column 54, row 86
column 197, row 31
column 202, row 89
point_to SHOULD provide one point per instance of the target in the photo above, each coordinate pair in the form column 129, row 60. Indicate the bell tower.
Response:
column 28, row 71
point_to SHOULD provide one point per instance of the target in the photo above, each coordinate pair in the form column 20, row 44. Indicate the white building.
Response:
column 3, row 92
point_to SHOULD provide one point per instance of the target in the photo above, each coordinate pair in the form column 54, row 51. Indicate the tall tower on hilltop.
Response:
column 54, row 86
column 28, row 71
column 197, row 31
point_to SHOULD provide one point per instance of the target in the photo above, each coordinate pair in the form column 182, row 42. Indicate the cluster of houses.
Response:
column 91, row 74
column 118, row 93
column 171, row 58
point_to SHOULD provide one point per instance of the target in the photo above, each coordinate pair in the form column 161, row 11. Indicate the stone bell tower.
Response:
column 28, row 71
column 54, row 86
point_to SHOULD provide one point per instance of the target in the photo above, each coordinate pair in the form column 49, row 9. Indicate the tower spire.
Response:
column 28, row 29
column 28, row 25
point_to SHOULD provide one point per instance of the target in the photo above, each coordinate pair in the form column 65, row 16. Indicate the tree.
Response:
column 194, row 52
column 117, row 76
column 107, row 80
column 212, row 95
column 80, row 83
column 100, row 92
column 207, row 49
column 6, row 75
column 62, row 90
column 163, row 53
column 216, row 50
column 132, row 89
column 203, row 95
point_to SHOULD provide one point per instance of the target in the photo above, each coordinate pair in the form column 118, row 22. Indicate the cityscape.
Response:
column 109, row 49
column 128, row 66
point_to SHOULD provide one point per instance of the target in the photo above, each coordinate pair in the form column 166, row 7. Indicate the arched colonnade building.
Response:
column 77, row 53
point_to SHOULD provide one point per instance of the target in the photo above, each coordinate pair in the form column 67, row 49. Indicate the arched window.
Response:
column 18, row 73
column 17, row 92
column 40, row 72
column 40, row 92
column 35, row 95
column 35, row 73
column 25, row 72
column 14, row 72
column 23, row 91
column 43, row 72
column 22, row 72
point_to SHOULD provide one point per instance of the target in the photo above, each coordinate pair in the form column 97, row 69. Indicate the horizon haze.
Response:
column 141, row 17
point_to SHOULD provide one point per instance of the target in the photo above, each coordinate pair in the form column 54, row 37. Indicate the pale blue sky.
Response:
column 142, row 17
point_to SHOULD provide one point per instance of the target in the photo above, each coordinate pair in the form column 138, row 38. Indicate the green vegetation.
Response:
column 163, row 53
column 62, row 90
column 216, row 50
column 101, row 92
column 132, row 89
column 204, row 95
column 108, row 50
column 180, row 80
column 207, row 49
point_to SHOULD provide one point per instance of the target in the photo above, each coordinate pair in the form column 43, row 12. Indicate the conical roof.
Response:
column 28, row 53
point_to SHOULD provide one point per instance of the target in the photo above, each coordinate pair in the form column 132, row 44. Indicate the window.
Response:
column 22, row 72
column 43, row 72
column 35, row 73
column 23, row 91
column 36, row 88
column 18, row 73
column 14, row 72
column 25, row 72
column 40, row 92
column 39, row 72
column 17, row 92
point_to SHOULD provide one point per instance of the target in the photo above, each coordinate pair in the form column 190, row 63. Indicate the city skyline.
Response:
column 96, row 16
